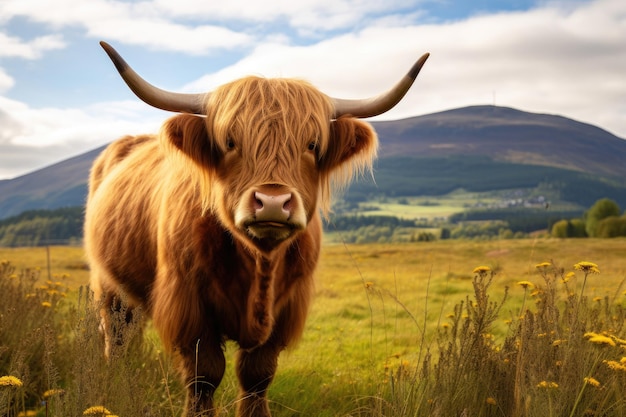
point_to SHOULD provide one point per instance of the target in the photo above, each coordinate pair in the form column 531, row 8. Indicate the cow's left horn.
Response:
column 376, row 105
column 154, row 96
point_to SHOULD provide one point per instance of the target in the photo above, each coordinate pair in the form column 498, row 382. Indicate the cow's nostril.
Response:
column 258, row 203
column 287, row 205
column 272, row 207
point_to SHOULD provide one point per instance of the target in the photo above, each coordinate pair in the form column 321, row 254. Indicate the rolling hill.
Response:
column 63, row 184
column 506, row 134
column 471, row 145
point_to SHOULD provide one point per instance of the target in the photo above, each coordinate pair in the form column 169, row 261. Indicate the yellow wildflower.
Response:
column 46, row 304
column 53, row 392
column 369, row 284
column 592, row 381
column 491, row 401
column 568, row 276
column 618, row 340
column 599, row 339
column 543, row 265
column 547, row 385
column 526, row 284
column 97, row 410
column 10, row 381
column 29, row 413
column 558, row 342
column 481, row 270
column 587, row 267
column 616, row 366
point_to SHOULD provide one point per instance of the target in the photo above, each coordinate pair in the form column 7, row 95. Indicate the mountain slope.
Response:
column 63, row 184
column 494, row 133
column 506, row 134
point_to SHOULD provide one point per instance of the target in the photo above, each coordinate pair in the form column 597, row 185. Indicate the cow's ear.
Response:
column 188, row 133
column 351, row 141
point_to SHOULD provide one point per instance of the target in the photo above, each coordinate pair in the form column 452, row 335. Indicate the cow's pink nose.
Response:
column 272, row 207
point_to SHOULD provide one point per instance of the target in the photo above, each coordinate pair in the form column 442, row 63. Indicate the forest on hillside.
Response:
column 408, row 176
column 62, row 226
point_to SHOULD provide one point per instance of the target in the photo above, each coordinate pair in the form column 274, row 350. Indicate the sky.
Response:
column 60, row 96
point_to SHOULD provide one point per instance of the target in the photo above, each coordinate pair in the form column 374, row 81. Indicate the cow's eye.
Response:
column 312, row 146
column 230, row 144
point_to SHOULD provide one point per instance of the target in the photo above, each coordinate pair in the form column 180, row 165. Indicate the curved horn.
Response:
column 165, row 100
column 376, row 105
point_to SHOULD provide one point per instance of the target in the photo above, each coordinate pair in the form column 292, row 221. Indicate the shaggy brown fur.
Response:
column 171, row 226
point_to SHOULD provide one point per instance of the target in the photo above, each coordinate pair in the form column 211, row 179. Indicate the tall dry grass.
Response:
column 546, row 346
column 564, row 354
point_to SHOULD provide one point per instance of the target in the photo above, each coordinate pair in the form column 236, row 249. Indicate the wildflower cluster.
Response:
column 547, row 385
column 9, row 385
column 50, row 292
column 539, row 364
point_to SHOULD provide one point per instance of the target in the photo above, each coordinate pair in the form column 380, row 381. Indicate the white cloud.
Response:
column 306, row 16
column 6, row 81
column 543, row 60
column 85, row 128
column 163, row 35
column 132, row 23
column 15, row 47
column 171, row 25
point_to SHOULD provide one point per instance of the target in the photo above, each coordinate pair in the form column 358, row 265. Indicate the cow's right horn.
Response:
column 154, row 96
column 376, row 105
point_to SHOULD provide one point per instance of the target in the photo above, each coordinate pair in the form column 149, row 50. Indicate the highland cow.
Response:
column 213, row 225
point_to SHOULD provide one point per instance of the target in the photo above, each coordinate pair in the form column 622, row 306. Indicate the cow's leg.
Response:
column 115, row 313
column 202, row 366
column 255, row 370
column 117, row 321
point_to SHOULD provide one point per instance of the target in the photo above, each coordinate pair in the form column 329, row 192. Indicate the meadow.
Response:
column 444, row 328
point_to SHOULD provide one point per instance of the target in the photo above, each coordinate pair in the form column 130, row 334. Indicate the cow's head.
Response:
column 269, row 150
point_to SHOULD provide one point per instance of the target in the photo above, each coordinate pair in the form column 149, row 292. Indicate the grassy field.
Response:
column 443, row 206
column 383, row 317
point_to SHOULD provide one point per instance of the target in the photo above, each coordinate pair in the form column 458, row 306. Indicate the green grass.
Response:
column 426, row 207
column 442, row 206
column 390, row 333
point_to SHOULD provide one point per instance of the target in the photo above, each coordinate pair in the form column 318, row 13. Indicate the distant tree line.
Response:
column 43, row 227
column 352, row 222
column 523, row 220
column 604, row 219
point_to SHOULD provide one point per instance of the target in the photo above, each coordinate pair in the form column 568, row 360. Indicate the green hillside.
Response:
column 437, row 176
